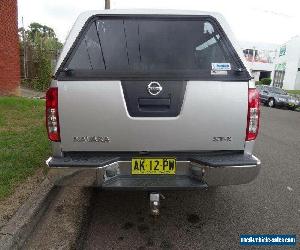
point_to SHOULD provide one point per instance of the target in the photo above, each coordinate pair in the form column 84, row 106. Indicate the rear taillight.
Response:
column 253, row 114
column 52, row 121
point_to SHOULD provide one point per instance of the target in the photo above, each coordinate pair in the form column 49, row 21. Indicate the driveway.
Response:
column 30, row 93
column 211, row 219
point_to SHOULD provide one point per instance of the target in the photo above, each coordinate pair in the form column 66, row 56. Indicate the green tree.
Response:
column 37, row 30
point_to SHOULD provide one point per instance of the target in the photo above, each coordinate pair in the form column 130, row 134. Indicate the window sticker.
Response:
column 220, row 66
column 218, row 72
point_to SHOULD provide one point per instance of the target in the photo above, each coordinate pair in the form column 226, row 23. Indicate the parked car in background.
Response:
column 277, row 97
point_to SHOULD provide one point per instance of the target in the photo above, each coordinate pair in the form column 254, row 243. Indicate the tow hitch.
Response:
column 155, row 203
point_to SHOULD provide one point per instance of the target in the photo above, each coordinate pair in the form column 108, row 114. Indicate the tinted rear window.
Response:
column 118, row 47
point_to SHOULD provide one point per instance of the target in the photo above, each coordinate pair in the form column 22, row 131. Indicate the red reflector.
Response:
column 52, row 121
column 253, row 114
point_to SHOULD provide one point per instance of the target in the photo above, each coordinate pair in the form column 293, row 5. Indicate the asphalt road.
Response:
column 211, row 219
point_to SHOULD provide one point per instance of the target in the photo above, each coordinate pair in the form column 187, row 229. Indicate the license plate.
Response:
column 153, row 166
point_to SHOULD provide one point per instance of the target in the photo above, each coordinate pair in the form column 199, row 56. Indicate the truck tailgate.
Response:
column 213, row 116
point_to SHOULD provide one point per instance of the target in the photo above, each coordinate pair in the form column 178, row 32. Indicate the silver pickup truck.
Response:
column 152, row 100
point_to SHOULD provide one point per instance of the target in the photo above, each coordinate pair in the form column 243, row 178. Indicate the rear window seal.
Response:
column 87, row 75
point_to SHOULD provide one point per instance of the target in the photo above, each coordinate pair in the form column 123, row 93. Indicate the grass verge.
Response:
column 295, row 92
column 23, row 140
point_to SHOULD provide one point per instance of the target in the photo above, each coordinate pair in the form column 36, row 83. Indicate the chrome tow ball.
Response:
column 155, row 203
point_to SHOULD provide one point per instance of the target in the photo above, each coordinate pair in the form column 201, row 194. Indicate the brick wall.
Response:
column 9, row 48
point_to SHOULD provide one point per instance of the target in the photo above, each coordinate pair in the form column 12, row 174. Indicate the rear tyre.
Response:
column 271, row 103
column 292, row 108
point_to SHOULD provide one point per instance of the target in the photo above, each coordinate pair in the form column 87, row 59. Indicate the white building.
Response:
column 286, row 73
column 260, row 58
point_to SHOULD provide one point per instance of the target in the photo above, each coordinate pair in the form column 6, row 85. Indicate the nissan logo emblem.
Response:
column 154, row 88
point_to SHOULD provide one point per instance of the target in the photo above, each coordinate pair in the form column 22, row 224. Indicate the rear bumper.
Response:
column 192, row 172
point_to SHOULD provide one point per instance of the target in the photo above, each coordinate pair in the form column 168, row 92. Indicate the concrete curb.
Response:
column 16, row 231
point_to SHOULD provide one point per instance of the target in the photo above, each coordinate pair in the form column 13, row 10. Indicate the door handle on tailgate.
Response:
column 154, row 104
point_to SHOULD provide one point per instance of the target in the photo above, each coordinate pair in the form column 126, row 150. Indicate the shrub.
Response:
column 42, row 48
column 266, row 81
column 44, row 70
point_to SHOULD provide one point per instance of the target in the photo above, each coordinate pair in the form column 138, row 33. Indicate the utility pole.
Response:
column 107, row 4
column 24, row 50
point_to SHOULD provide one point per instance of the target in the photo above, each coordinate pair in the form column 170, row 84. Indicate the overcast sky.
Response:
column 267, row 21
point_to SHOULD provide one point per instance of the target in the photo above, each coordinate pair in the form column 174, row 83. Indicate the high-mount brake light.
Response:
column 52, row 120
